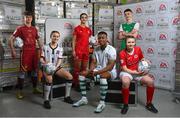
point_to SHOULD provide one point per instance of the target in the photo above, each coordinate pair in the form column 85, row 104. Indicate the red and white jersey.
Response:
column 82, row 38
column 52, row 55
column 131, row 60
column 28, row 35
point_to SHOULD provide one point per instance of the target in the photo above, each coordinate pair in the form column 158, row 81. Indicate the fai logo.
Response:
column 68, row 26
column 163, row 65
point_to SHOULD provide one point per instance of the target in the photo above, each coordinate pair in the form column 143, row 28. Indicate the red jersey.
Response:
column 28, row 35
column 131, row 60
column 82, row 38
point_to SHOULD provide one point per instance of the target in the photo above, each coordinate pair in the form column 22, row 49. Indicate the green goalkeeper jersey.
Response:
column 126, row 28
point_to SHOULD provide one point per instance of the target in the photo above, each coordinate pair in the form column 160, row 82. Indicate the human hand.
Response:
column 74, row 54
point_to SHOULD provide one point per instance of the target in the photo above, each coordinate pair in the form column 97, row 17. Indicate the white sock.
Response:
column 47, row 90
column 68, row 89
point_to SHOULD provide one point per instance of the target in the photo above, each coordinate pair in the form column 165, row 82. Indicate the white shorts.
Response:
column 113, row 72
column 131, row 76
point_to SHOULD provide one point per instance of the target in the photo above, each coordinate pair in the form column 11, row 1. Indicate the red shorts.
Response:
column 83, row 56
column 29, row 60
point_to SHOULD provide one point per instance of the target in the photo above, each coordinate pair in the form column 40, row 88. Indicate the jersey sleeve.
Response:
column 122, row 57
column 60, row 55
column 120, row 28
column 112, row 54
column 17, row 32
column 75, row 31
column 136, row 26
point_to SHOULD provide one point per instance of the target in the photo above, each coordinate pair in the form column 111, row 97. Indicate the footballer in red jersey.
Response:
column 29, row 35
column 129, row 59
column 80, row 46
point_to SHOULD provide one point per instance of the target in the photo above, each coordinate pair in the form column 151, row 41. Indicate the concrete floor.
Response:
column 31, row 105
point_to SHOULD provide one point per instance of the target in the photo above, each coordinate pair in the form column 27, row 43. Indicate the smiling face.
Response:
column 130, row 43
column 55, row 37
column 83, row 18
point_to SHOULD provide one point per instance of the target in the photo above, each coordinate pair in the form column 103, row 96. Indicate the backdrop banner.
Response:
column 158, row 35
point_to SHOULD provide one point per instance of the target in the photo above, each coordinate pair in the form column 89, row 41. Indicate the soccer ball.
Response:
column 144, row 66
column 49, row 68
column 18, row 43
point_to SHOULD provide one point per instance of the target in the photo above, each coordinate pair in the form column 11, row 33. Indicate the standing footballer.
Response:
column 29, row 61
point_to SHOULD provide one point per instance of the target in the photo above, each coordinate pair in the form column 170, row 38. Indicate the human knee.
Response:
column 83, row 73
column 126, row 81
column 103, row 81
column 69, row 77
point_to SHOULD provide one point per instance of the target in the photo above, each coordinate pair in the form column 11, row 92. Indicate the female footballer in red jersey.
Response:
column 80, row 46
column 129, row 59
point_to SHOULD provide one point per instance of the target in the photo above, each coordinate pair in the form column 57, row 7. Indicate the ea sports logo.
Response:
column 163, row 65
column 139, row 36
column 176, row 20
column 150, row 51
column 68, row 26
column 138, row 10
column 162, row 36
column 162, row 7
column 150, row 23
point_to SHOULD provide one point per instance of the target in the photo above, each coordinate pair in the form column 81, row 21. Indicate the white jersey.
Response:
column 104, row 56
column 52, row 55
